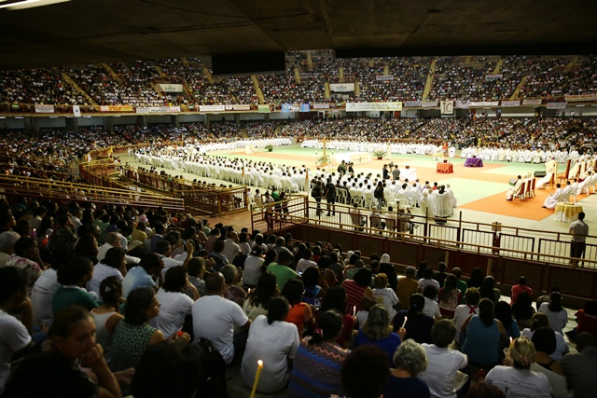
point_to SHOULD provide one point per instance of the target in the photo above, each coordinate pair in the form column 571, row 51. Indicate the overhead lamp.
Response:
column 24, row 4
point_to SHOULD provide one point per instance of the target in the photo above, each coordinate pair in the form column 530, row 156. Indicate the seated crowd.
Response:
column 304, row 80
column 105, row 301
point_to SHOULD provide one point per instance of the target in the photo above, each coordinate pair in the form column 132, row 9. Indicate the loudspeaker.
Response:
column 248, row 64
column 512, row 181
column 539, row 174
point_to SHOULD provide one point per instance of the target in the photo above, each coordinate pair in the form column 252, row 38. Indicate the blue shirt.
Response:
column 389, row 344
column 135, row 278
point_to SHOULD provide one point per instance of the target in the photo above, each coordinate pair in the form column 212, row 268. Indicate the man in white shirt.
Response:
column 443, row 362
column 164, row 250
column 231, row 247
column 41, row 297
column 113, row 239
column 579, row 230
column 214, row 318
column 305, row 262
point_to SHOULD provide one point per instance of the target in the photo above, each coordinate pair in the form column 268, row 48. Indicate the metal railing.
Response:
column 491, row 239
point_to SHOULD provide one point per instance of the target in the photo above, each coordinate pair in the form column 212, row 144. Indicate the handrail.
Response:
column 302, row 216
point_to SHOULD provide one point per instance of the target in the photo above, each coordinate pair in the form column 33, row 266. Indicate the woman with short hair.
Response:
column 175, row 305
column 409, row 360
column 378, row 331
column 274, row 342
column 113, row 264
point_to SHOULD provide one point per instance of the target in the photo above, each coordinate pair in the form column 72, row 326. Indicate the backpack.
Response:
column 214, row 386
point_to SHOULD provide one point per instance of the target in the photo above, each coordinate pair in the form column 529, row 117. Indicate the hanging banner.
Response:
column 497, row 76
column 171, row 88
column 285, row 108
column 159, row 109
column 44, row 108
column 582, row 97
column 116, row 108
column 556, row 105
column 510, row 103
column 384, row 78
column 429, row 104
column 305, row 107
column 263, row 109
column 412, row 103
column 77, row 110
column 210, row 108
column 342, row 87
column 463, row 104
column 531, row 101
column 446, row 107
column 485, row 103
column 321, row 106
column 373, row 106
column 241, row 107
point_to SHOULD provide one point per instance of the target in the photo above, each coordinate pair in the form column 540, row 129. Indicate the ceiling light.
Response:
column 24, row 4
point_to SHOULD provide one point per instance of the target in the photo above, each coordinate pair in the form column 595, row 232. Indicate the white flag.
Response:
column 76, row 110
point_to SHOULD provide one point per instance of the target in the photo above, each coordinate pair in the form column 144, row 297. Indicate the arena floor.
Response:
column 480, row 192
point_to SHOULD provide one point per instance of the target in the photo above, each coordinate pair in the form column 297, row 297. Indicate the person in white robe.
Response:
column 427, row 204
column 552, row 200
column 443, row 203
column 550, row 168
column 515, row 190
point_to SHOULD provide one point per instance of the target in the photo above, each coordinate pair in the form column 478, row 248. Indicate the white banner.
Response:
column 556, row 105
column 77, row 110
column 171, row 88
column 581, row 97
column 531, row 101
column 241, row 107
column 373, row 106
column 429, row 104
column 485, row 103
column 446, row 107
column 384, row 78
column 44, row 108
column 493, row 77
column 463, row 104
column 510, row 103
column 342, row 87
column 320, row 106
column 212, row 108
column 158, row 109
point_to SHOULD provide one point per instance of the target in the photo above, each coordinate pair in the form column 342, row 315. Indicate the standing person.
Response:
column 378, row 194
column 316, row 193
column 396, row 173
column 330, row 196
column 579, row 230
column 269, row 210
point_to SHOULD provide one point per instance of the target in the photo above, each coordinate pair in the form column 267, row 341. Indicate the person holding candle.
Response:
column 275, row 343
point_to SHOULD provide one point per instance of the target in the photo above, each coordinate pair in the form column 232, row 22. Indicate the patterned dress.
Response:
column 129, row 344
column 316, row 371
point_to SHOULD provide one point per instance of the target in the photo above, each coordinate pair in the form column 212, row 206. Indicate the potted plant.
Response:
column 323, row 160
column 269, row 148
column 379, row 154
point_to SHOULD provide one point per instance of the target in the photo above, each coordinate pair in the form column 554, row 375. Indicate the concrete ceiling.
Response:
column 93, row 31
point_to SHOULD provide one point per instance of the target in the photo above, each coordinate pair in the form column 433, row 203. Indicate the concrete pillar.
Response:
column 237, row 119
column 174, row 121
column 142, row 121
column 207, row 120
column 72, row 124
column 108, row 123
column 29, row 124
column 267, row 117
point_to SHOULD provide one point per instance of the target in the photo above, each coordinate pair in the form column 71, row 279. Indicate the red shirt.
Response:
column 517, row 289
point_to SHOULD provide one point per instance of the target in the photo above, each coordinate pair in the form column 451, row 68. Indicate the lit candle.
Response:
column 404, row 323
column 259, row 369
column 354, row 310
column 249, row 292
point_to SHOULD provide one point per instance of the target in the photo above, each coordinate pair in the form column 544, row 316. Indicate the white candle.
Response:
column 354, row 310
column 404, row 323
